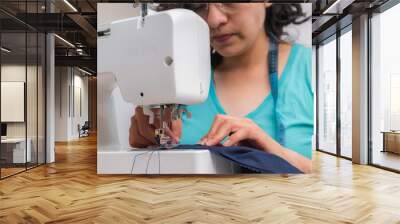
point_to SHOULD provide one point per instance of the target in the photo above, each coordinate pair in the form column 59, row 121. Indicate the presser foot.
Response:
column 164, row 141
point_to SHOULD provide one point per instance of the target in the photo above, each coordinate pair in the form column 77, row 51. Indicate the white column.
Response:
column 50, row 99
column 360, row 90
column 50, row 92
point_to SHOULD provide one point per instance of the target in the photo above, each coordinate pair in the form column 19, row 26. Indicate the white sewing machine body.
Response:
column 171, row 161
column 164, row 62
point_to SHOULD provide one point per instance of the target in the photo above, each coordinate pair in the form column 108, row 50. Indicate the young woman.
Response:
column 241, row 108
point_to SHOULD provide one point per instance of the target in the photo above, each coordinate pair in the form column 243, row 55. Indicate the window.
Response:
column 385, row 89
column 327, row 97
column 394, row 119
column 346, row 94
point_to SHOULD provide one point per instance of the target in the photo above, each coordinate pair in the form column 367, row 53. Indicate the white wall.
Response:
column 62, row 81
column 302, row 33
column 15, row 72
column 68, row 82
column 79, row 117
column 33, row 126
column 12, row 101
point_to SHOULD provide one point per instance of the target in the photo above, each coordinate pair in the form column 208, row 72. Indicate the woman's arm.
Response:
column 270, row 145
column 239, row 129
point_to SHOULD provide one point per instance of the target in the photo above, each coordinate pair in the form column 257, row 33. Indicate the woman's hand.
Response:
column 142, row 133
column 243, row 130
column 237, row 129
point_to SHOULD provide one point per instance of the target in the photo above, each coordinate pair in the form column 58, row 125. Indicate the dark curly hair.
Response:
column 279, row 16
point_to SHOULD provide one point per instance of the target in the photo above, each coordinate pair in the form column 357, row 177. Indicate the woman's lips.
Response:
column 222, row 38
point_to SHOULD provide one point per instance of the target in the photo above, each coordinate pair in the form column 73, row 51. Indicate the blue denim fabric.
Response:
column 253, row 159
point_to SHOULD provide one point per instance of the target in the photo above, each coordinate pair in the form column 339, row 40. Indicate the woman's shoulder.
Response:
column 301, row 50
column 299, row 65
column 294, row 46
column 300, row 56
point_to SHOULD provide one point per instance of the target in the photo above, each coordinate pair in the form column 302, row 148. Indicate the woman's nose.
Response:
column 215, row 17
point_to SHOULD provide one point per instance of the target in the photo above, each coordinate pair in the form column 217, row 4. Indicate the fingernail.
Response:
column 204, row 141
column 226, row 143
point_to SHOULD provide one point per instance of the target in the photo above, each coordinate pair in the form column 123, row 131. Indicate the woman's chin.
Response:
column 228, row 52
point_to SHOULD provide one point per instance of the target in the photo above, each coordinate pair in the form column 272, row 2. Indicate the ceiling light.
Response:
column 70, row 5
column 5, row 50
column 326, row 11
column 84, row 71
column 64, row 40
column 338, row 6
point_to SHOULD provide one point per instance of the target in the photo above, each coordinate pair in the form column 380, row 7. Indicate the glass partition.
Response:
column 385, row 89
column 22, row 77
column 327, row 97
column 346, row 94
column 14, row 153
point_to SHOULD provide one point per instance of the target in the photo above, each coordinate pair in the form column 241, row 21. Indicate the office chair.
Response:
column 84, row 130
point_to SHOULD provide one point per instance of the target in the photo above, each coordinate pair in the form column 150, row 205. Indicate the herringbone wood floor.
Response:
column 70, row 191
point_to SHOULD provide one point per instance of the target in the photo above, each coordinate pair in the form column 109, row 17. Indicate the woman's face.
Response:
column 234, row 27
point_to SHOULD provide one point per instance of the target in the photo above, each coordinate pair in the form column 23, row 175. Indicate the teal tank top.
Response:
column 295, row 107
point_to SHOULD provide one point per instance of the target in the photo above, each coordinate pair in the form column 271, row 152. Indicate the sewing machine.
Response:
column 153, row 60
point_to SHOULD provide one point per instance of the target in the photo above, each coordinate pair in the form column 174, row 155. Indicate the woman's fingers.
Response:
column 238, row 129
column 236, row 137
column 224, row 129
column 218, row 120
